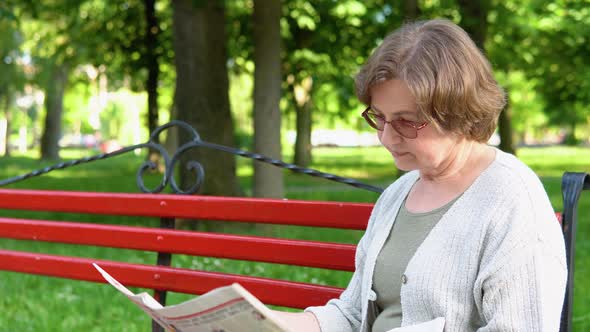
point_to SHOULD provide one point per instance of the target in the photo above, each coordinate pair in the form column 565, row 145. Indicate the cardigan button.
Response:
column 404, row 279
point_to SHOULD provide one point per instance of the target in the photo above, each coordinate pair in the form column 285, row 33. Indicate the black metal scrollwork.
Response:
column 170, row 163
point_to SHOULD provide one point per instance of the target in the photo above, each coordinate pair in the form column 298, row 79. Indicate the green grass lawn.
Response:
column 33, row 303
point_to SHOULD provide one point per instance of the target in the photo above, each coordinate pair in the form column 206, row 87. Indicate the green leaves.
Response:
column 304, row 14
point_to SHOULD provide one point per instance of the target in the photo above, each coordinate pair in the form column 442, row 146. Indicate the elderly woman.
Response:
column 465, row 241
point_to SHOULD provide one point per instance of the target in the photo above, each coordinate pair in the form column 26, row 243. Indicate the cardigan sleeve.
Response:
column 523, row 273
column 344, row 314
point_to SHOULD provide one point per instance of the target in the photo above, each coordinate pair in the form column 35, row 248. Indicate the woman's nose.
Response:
column 389, row 136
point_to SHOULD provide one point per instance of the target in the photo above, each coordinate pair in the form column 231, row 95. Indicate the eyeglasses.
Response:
column 405, row 128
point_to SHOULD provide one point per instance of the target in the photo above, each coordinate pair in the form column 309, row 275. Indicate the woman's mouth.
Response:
column 398, row 154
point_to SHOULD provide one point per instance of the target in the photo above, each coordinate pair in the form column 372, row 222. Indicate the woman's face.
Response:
column 430, row 151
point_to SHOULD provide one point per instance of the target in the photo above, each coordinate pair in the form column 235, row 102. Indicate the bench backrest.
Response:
column 335, row 256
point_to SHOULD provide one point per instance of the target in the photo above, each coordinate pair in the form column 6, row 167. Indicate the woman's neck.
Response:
column 465, row 159
column 433, row 191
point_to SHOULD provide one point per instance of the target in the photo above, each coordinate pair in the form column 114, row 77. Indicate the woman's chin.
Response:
column 403, row 166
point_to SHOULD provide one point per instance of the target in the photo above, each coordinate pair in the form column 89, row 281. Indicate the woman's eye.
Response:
column 408, row 122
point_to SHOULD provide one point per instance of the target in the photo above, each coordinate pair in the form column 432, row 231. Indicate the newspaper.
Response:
column 224, row 309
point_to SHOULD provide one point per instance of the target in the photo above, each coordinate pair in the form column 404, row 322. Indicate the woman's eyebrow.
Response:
column 401, row 112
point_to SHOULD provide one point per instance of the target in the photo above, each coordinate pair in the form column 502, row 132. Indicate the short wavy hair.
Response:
column 448, row 75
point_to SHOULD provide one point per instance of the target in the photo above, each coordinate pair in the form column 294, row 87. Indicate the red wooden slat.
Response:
column 335, row 256
column 269, row 291
column 272, row 211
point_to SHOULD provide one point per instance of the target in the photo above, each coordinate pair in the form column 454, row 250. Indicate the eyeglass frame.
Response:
column 412, row 124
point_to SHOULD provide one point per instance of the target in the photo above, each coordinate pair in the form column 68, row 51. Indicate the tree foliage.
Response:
column 547, row 42
column 538, row 49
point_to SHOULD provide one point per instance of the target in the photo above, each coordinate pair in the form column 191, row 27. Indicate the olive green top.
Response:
column 408, row 232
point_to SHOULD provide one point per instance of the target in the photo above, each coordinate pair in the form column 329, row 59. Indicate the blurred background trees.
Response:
column 275, row 77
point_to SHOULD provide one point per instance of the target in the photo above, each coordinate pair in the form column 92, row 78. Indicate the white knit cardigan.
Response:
column 494, row 262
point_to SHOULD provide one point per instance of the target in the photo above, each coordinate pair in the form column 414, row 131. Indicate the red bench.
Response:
column 332, row 256
column 282, row 212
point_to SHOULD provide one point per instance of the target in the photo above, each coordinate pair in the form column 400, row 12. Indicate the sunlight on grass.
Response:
column 553, row 161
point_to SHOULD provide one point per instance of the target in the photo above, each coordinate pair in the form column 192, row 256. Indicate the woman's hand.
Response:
column 299, row 321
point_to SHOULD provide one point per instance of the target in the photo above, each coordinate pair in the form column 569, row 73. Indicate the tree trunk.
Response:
column 202, row 92
column 268, row 179
column 474, row 19
column 151, row 58
column 303, row 105
column 411, row 9
column 505, row 130
column 7, row 148
column 171, row 143
column 570, row 138
column 474, row 16
column 54, row 94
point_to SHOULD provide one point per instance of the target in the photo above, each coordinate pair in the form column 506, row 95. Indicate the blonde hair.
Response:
column 450, row 78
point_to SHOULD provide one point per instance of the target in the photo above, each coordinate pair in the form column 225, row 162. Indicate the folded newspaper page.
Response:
column 224, row 309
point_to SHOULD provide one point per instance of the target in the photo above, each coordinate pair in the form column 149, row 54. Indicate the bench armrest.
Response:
column 572, row 185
